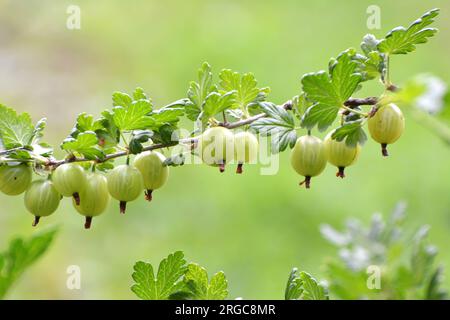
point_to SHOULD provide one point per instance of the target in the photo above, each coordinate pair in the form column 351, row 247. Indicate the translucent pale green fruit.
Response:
column 154, row 172
column 95, row 198
column 125, row 183
column 14, row 180
column 340, row 154
column 387, row 125
column 308, row 157
column 42, row 199
column 246, row 149
column 69, row 179
column 216, row 146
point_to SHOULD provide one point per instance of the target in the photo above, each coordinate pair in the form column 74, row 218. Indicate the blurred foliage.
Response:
column 21, row 254
column 379, row 262
column 232, row 223
column 406, row 263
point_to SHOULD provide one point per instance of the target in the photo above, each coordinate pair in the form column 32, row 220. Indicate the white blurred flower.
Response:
column 432, row 100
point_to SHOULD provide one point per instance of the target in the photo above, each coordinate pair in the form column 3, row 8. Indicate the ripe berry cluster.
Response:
column 310, row 154
column 90, row 191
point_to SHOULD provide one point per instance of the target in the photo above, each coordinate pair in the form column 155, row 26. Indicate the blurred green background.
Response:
column 255, row 228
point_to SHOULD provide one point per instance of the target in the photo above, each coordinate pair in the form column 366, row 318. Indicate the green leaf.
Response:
column 139, row 137
column 166, row 282
column 86, row 122
column 198, row 91
column 175, row 160
column 121, row 99
column 369, row 44
column 38, row 131
column 21, row 254
column 321, row 115
column 294, row 289
column 371, row 66
column 134, row 117
column 166, row 134
column 245, row 86
column 105, row 166
column 434, row 290
column 423, row 256
column 279, row 124
column 166, row 115
column 302, row 286
column 328, row 92
column 139, row 94
column 346, row 283
column 299, row 105
column 16, row 130
column 312, row 290
column 403, row 40
column 86, row 143
column 111, row 134
column 216, row 103
column 352, row 132
column 22, row 155
column 196, row 279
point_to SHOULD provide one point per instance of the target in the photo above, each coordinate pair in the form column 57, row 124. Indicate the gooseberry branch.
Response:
column 350, row 103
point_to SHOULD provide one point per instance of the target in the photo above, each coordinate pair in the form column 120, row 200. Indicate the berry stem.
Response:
column 88, row 222
column 340, row 173
column 306, row 182
column 123, row 207
column 148, row 195
column 36, row 221
column 384, row 150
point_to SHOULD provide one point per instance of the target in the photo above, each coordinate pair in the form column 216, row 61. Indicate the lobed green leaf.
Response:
column 17, row 130
column 198, row 91
column 245, row 85
column 166, row 282
column 329, row 91
column 279, row 124
column 86, row 143
column 196, row 280
column 352, row 132
column 403, row 40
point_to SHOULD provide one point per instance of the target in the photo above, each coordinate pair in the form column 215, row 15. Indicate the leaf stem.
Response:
column 123, row 138
column 387, row 79
column 363, row 114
